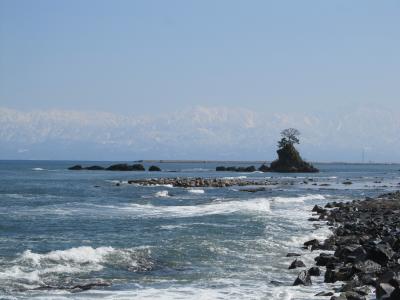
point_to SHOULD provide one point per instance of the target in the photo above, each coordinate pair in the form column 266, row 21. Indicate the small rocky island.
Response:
column 116, row 167
column 289, row 159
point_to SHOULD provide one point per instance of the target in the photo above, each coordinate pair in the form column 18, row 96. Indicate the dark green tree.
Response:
column 290, row 136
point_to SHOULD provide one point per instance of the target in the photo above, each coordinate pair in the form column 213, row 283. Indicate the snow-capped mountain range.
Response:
column 197, row 133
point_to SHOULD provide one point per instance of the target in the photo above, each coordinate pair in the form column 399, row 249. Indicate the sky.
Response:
column 157, row 63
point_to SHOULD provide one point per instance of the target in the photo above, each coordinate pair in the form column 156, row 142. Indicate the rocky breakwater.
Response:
column 366, row 245
column 199, row 182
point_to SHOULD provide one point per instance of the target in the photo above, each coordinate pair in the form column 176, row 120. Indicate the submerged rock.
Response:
column 289, row 160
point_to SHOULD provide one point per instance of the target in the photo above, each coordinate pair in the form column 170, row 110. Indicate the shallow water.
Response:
column 61, row 228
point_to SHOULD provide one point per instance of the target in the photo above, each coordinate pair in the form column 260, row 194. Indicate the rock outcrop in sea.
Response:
column 116, row 167
column 289, row 160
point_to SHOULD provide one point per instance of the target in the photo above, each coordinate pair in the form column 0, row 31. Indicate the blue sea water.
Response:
column 62, row 228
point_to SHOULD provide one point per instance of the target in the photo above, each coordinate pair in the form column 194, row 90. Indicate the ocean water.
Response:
column 61, row 228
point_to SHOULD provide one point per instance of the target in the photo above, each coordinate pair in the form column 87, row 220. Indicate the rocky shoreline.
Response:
column 366, row 245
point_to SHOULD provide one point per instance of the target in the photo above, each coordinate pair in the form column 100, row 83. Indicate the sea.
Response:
column 90, row 235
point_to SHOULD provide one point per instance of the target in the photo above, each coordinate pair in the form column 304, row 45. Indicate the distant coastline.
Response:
column 202, row 161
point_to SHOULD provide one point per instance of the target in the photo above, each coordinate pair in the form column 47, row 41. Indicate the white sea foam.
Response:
column 33, row 268
column 298, row 199
column 196, row 191
column 255, row 206
column 38, row 169
column 234, row 177
column 162, row 194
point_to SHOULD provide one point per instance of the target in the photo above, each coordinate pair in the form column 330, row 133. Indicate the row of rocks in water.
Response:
column 262, row 168
column 116, row 167
column 187, row 182
column 366, row 245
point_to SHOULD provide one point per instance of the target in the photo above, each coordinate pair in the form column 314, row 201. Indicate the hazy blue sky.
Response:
column 220, row 77
column 145, row 56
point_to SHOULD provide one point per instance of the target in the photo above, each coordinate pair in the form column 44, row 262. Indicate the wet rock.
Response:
column 89, row 286
column 350, row 295
column 154, row 169
column 347, row 182
column 264, row 168
column 296, row 264
column 314, row 244
column 381, row 254
column 341, row 274
column 236, row 169
column 76, row 168
column 367, row 266
column 323, row 259
column 384, row 291
column 318, row 209
column 351, row 253
column 314, row 271
column 94, row 168
column 292, row 254
column 303, row 279
column 324, row 294
column 126, row 167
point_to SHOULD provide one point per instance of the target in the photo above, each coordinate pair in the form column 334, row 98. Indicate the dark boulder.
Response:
column 324, row 259
column 384, row 291
column 342, row 274
column 126, row 167
column 138, row 167
column 76, row 168
column 381, row 254
column 314, row 244
column 291, row 254
column 264, row 168
column 303, row 279
column 324, row 294
column 154, row 169
column 119, row 167
column 289, row 160
column 296, row 264
column 351, row 253
column 351, row 295
column 367, row 267
column 94, row 168
column 314, row 271
column 318, row 209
